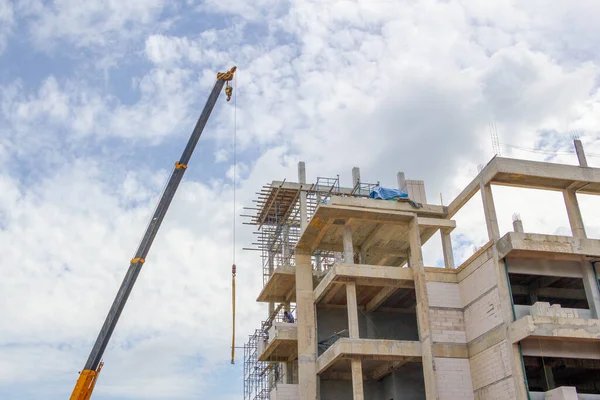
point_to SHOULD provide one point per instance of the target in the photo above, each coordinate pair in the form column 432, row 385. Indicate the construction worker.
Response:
column 288, row 317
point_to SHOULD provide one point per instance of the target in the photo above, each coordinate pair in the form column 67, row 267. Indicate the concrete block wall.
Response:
column 490, row 364
column 285, row 392
column 453, row 377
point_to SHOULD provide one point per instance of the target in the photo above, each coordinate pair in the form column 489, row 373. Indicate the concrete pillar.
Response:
column 518, row 225
column 578, row 230
column 348, row 248
column 423, row 319
column 352, row 305
column 447, row 249
column 491, row 220
column 354, row 333
column 303, row 203
column 355, row 176
column 307, row 329
column 580, row 153
column 401, row 181
column 357, row 379
column 574, row 213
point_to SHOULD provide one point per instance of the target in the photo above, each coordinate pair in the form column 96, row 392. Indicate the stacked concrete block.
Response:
column 453, row 379
column 562, row 393
column 543, row 309
column 285, row 392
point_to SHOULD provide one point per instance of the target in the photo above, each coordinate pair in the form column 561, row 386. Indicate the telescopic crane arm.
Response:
column 88, row 377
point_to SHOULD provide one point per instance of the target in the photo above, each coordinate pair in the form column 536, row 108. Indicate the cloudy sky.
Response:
column 97, row 100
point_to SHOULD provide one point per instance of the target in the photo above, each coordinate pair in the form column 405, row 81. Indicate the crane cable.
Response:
column 233, row 267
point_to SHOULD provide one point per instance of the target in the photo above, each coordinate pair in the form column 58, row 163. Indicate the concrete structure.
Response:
column 517, row 320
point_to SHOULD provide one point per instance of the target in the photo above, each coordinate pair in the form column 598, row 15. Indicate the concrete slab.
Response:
column 282, row 344
column 378, row 233
column 281, row 286
column 368, row 349
column 367, row 278
column 517, row 244
column 548, row 327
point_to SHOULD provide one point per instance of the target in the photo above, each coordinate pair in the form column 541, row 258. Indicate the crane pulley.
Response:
column 89, row 375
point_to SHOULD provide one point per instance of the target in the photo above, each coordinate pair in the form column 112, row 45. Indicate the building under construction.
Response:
column 518, row 320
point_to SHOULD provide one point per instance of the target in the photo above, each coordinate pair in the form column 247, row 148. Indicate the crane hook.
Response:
column 228, row 91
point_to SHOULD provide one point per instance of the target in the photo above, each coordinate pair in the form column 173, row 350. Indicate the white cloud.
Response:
column 385, row 86
column 6, row 22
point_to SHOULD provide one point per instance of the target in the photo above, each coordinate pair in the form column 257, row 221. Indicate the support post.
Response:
column 357, row 379
column 355, row 176
column 354, row 333
column 491, row 220
column 423, row 319
column 518, row 225
column 353, row 330
column 578, row 229
column 447, row 249
column 580, row 153
column 303, row 204
column 307, row 330
column 574, row 213
column 348, row 248
column 401, row 181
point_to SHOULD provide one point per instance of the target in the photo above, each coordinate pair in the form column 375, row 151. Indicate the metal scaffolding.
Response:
column 278, row 222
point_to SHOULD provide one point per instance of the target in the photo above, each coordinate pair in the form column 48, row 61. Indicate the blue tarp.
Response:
column 382, row 193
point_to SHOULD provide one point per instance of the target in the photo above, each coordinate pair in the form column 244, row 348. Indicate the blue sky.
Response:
column 97, row 100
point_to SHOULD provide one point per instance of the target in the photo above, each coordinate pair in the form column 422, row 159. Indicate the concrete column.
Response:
column 401, row 181
column 578, row 229
column 574, row 213
column 447, row 249
column 491, row 220
column 580, row 153
column 423, row 319
column 518, row 225
column 355, row 176
column 353, row 331
column 303, row 203
column 357, row 379
column 307, row 329
column 348, row 248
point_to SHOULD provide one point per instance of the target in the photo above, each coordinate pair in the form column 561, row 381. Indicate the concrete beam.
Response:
column 515, row 244
column 380, row 298
column 446, row 224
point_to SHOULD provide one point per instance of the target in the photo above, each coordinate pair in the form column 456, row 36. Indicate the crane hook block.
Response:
column 228, row 92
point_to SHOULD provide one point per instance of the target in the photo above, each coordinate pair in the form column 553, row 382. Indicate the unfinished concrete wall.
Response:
column 342, row 390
